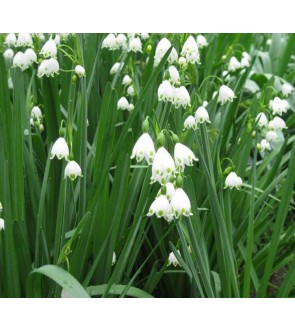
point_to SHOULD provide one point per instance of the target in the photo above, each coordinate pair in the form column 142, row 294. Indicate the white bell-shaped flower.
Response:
column 246, row 56
column 131, row 107
column 234, row 64
column 233, row 181
column 163, row 167
column 130, row 90
column 2, row 224
column 30, row 56
column 110, row 42
column 80, row 71
column 174, row 75
column 261, row 120
column 60, row 149
column 173, row 56
column 73, row 170
column 271, row 136
column 8, row 54
column 19, row 60
column 287, row 89
column 190, row 122
column 121, row 41
column 245, row 63
column 161, row 208
column 202, row 115
column 24, row 39
column 57, row 39
column 135, row 45
column 183, row 156
column 49, row 49
column 278, row 106
column 225, row 94
column 263, row 145
column 277, row 123
column 165, row 91
column 162, row 47
column 173, row 260
column 127, row 80
column 180, row 204
column 48, row 67
column 201, row 41
column 10, row 39
column 182, row 62
column 144, row 148
column 36, row 115
column 181, row 97
column 116, row 68
column 144, row 36
column 123, row 104
column 190, row 50
column 169, row 191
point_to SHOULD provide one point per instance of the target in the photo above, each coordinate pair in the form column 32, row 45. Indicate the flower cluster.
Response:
column 234, row 64
column 201, row 116
column 233, row 181
column 131, row 42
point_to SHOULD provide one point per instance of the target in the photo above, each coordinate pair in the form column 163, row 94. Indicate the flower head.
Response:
column 30, row 57
column 36, row 115
column 161, row 208
column 165, row 91
column 123, row 104
column 278, row 106
column 48, row 67
column 261, row 120
column 277, row 123
column 234, row 64
column 174, row 75
column 49, row 49
column 73, row 170
column 225, row 94
column 116, row 67
column 183, row 156
column 121, row 41
column 8, row 54
column 172, row 259
column 80, row 71
column 190, row 122
column 60, row 149
column 180, row 204
column 24, row 39
column 271, row 136
column 202, row 115
column 263, row 145
column 110, row 42
column 163, row 167
column 287, row 89
column 135, row 45
column 181, row 97
column 233, row 181
column 127, row 80
column 10, row 39
column 130, row 90
column 190, row 50
column 144, row 148
column 202, row 41
column 19, row 60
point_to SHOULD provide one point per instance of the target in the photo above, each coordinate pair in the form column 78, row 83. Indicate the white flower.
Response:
column 261, row 120
column 121, row 41
column 202, row 41
column 234, row 64
column 57, row 39
column 181, row 97
column 19, row 60
column 130, row 90
column 60, row 149
column 180, row 204
column 286, row 89
column 123, row 104
column 144, row 148
column 1, row 207
column 10, row 39
column 114, row 259
column 73, row 170
column 233, row 181
column 131, row 107
column 271, row 136
column 135, row 45
column 190, row 122
column 169, row 191
column 163, row 167
column 30, row 56
column 174, row 75
column 144, row 36
column 277, row 123
column 172, row 259
column 36, row 115
column 173, row 56
column 161, row 208
column 49, row 49
column 190, row 50
column 116, row 67
column 110, row 42
column 278, row 106
column 80, row 71
column 2, row 224
column 182, row 62
column 8, row 54
column 246, row 55
column 10, row 83
column 127, row 80
column 48, row 67
column 202, row 115
column 165, row 91
column 225, row 94
column 183, row 156
column 24, row 39
column 162, row 47
column 41, row 37
column 263, row 145
column 245, row 63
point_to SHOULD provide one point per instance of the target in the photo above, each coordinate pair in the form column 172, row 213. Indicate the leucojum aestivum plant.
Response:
column 147, row 165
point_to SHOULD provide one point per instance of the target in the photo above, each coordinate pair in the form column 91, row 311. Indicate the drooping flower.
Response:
column 8, row 54
column 234, row 64
column 183, row 156
column 19, row 60
column 123, row 104
column 245, row 63
column 181, row 97
column 10, row 39
column 287, row 89
column 48, row 67
column 131, row 107
column 2, row 224
column 278, row 106
column 116, row 67
column 190, row 50
column 80, row 71
column 182, row 62
column 201, row 41
column 163, row 167
column 162, row 47
column 180, row 204
column 73, row 170
column 144, row 148
column 135, row 45
column 121, row 41
column 233, row 181
column 246, row 55
column 174, row 75
column 263, row 145
column 127, row 80
column 168, row 192
column 225, row 94
column 60, row 149
column 36, row 115
column 190, row 122
column 110, row 42
column 165, row 91
column 261, row 120
column 49, row 49
column 172, row 259
column 202, row 115
column 30, row 57
column 161, row 208
column 277, row 123
column 271, row 136
column 130, row 90
column 24, row 39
